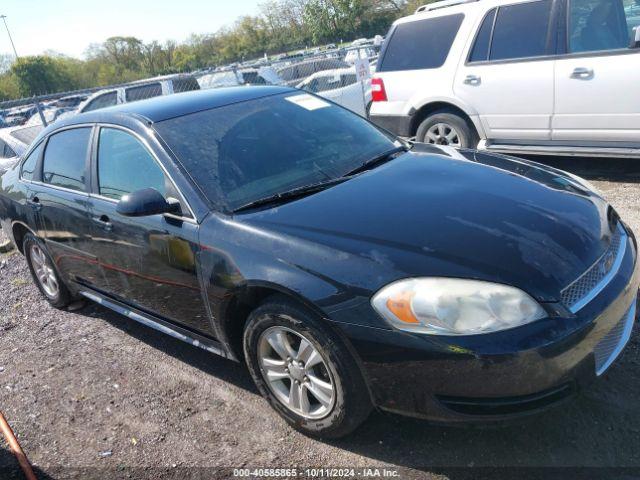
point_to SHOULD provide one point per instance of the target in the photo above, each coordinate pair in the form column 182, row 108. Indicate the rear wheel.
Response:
column 44, row 273
column 448, row 129
column 304, row 370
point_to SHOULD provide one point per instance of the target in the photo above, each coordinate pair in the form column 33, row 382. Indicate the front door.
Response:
column 149, row 262
column 505, row 76
column 597, row 94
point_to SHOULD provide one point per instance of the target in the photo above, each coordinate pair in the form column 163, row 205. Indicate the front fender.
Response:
column 234, row 256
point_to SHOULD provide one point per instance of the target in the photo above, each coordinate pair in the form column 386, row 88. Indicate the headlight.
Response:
column 449, row 306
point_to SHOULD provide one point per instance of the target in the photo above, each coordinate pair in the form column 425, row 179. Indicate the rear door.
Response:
column 60, row 195
column 507, row 75
column 149, row 262
column 597, row 94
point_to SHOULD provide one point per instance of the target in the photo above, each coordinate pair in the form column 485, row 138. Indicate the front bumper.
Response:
column 504, row 374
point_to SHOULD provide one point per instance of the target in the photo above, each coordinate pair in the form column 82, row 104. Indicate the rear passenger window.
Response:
column 29, row 165
column 421, row 44
column 521, row 31
column 480, row 50
column 125, row 165
column 145, row 91
column 65, row 158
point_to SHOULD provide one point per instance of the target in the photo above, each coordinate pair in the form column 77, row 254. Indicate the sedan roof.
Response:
column 165, row 107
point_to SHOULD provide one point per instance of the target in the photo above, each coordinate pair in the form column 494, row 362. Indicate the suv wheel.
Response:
column 443, row 128
column 44, row 273
column 304, row 370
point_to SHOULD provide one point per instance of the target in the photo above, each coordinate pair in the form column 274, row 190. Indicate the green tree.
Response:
column 8, row 87
column 38, row 75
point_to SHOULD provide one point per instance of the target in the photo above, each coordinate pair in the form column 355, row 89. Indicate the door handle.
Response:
column 582, row 73
column 104, row 222
column 34, row 202
column 472, row 80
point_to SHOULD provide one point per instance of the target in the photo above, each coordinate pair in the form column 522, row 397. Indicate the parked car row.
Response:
column 331, row 78
column 292, row 69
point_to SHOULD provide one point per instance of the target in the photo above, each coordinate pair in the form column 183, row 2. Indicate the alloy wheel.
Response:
column 443, row 134
column 44, row 271
column 296, row 372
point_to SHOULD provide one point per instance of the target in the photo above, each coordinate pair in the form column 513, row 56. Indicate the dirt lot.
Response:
column 92, row 394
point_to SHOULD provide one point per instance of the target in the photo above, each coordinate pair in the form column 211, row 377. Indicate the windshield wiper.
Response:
column 291, row 194
column 378, row 159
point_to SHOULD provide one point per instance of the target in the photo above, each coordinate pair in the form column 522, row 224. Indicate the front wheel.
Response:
column 304, row 370
column 447, row 129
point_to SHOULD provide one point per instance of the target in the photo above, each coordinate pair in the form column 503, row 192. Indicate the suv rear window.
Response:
column 421, row 44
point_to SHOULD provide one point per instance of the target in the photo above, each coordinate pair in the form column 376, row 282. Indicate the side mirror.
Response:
column 144, row 203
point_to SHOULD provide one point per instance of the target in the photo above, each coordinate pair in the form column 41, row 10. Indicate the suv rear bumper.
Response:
column 399, row 125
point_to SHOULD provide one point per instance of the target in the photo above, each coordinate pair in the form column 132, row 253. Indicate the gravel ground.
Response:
column 94, row 391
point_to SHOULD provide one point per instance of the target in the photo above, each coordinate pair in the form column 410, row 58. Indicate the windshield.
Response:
column 248, row 151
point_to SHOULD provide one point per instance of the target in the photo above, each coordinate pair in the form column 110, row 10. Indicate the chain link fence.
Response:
column 342, row 75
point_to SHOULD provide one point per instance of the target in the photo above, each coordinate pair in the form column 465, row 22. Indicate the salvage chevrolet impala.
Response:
column 349, row 269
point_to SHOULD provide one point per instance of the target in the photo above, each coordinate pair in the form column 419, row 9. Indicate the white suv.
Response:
column 541, row 76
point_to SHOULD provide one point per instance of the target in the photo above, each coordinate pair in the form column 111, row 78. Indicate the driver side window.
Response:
column 125, row 166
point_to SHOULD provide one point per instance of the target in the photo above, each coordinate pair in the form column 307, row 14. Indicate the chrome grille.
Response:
column 613, row 342
column 582, row 290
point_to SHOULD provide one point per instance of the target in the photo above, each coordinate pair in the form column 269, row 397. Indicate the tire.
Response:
column 449, row 122
column 351, row 403
column 60, row 297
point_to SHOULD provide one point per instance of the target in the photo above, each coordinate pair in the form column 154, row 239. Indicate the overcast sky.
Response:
column 69, row 26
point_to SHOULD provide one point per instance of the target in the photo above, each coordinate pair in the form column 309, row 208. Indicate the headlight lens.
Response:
column 449, row 306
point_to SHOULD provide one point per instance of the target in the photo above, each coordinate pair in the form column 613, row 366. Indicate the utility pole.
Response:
column 4, row 19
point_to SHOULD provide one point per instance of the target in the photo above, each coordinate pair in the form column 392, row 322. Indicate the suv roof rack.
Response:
column 442, row 4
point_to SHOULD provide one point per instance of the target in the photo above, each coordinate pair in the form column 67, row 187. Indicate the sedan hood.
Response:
column 468, row 215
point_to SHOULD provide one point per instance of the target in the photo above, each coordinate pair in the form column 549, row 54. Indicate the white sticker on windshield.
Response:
column 307, row 101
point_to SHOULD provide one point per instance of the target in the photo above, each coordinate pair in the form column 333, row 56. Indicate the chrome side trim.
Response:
column 606, row 279
column 564, row 150
column 175, row 332
column 82, row 193
column 629, row 320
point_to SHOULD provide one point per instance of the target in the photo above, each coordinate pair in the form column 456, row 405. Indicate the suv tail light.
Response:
column 378, row 93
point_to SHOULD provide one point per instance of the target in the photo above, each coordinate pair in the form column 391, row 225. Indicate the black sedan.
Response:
column 347, row 268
